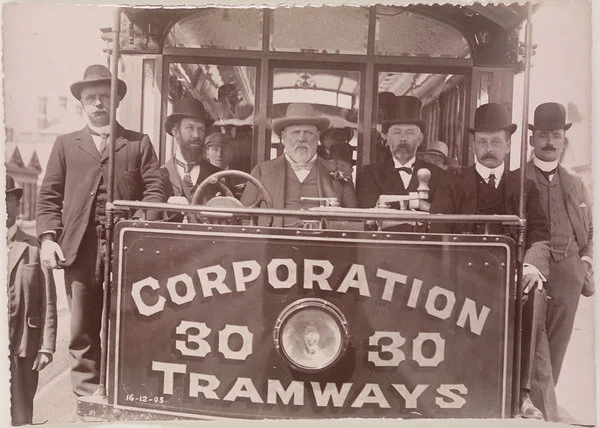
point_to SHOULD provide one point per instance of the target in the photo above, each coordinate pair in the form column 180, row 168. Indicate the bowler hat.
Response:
column 404, row 109
column 300, row 114
column 11, row 188
column 550, row 116
column 217, row 138
column 492, row 117
column 188, row 107
column 342, row 151
column 95, row 74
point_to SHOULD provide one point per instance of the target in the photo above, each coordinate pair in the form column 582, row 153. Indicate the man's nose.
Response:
column 98, row 102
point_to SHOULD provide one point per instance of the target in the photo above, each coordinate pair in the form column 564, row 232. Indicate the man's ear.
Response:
column 531, row 140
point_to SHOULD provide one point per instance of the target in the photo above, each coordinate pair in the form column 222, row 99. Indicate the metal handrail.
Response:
column 340, row 213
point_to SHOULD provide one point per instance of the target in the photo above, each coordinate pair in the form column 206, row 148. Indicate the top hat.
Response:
column 492, row 117
column 550, row 116
column 404, row 109
column 11, row 188
column 300, row 114
column 95, row 74
column 217, row 138
column 342, row 151
column 188, row 107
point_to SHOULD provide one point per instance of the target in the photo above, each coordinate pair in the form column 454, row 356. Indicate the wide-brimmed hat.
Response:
column 342, row 151
column 300, row 114
column 437, row 148
column 11, row 188
column 492, row 117
column 95, row 74
column 188, row 107
column 550, row 116
column 218, row 139
column 404, row 109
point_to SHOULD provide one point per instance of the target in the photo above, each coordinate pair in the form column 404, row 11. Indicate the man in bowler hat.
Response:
column 31, row 311
column 299, row 171
column 71, row 216
column 188, row 124
column 487, row 188
column 403, row 130
column 567, row 202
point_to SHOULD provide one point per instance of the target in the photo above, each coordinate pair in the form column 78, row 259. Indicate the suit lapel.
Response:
column 17, row 251
column 174, row 178
column 390, row 178
column 275, row 176
column 120, row 142
column 86, row 143
column 469, row 205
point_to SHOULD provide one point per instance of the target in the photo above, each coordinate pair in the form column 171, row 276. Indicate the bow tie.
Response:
column 302, row 166
column 187, row 167
column 404, row 169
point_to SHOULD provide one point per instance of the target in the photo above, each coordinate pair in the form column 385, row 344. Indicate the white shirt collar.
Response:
column 100, row 129
column 544, row 165
column 194, row 173
column 408, row 164
column 485, row 172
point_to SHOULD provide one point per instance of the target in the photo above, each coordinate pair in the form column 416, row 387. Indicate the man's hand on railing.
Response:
column 180, row 200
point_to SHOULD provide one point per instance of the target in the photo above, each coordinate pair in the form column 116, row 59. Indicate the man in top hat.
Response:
column 187, row 168
column 567, row 202
column 31, row 311
column 299, row 171
column 403, row 130
column 487, row 188
column 71, row 211
column 437, row 154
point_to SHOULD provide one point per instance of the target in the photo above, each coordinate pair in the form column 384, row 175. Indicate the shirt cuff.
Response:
column 532, row 268
column 46, row 351
column 587, row 259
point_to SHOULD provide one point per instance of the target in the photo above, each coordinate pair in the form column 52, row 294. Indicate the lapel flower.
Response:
column 339, row 176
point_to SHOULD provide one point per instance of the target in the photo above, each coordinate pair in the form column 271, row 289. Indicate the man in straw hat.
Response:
column 71, row 211
column 188, row 124
column 486, row 188
column 31, row 311
column 403, row 130
column 299, row 171
column 568, row 205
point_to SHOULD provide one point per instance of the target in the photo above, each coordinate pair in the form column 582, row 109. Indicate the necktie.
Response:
column 547, row 174
column 405, row 169
column 187, row 168
column 103, row 141
column 492, row 180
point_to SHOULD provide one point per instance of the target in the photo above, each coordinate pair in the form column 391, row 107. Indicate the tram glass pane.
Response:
column 340, row 30
column 227, row 91
column 333, row 93
column 401, row 32
column 239, row 29
column 443, row 97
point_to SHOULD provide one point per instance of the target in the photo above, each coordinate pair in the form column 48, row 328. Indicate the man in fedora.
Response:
column 403, row 130
column 71, row 216
column 299, row 171
column 568, row 205
column 437, row 154
column 187, row 168
column 31, row 311
column 487, row 188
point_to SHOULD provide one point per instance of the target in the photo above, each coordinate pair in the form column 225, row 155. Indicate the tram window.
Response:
column 219, row 29
column 401, row 32
column 333, row 93
column 228, row 93
column 340, row 30
column 443, row 97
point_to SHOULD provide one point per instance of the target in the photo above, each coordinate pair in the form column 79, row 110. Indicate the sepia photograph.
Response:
column 301, row 212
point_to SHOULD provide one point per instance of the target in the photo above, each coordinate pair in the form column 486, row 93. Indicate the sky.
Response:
column 46, row 47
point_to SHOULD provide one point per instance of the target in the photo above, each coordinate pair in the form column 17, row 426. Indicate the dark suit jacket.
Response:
column 272, row 176
column 457, row 194
column 383, row 179
column 31, row 299
column 579, row 206
column 74, row 171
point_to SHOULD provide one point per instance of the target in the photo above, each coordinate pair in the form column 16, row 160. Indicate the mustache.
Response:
column 488, row 156
column 549, row 147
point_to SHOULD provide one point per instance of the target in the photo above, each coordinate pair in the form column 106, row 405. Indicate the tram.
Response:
column 218, row 317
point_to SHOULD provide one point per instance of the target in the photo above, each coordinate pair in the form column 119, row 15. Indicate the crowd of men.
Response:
column 316, row 162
